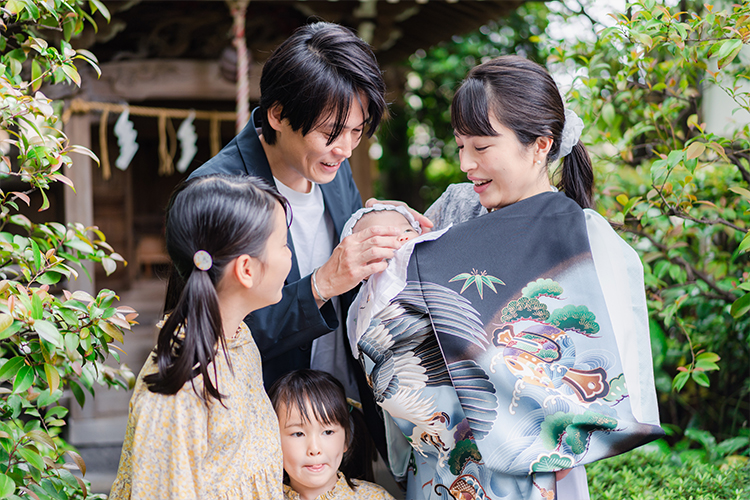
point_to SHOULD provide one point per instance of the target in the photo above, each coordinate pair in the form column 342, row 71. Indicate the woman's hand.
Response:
column 357, row 257
column 423, row 221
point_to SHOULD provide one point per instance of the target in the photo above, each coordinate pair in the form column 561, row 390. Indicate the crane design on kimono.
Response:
column 402, row 344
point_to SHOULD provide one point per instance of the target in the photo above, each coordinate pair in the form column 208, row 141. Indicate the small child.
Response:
column 316, row 432
column 381, row 287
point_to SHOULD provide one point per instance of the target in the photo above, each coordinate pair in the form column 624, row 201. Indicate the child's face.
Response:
column 312, row 452
column 387, row 218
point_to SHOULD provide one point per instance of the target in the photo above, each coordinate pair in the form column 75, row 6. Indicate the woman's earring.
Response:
column 539, row 162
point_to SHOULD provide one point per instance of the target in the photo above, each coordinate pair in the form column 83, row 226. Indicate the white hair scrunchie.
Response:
column 571, row 133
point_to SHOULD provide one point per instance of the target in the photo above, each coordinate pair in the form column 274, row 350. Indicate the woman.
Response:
column 506, row 355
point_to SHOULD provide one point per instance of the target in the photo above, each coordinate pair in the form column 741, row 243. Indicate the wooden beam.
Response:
column 166, row 79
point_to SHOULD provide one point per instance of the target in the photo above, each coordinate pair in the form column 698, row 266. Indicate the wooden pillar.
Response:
column 79, row 205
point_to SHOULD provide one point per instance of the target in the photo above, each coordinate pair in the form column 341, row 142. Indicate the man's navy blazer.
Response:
column 284, row 332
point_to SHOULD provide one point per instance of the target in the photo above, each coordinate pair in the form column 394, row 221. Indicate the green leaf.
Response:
column 32, row 458
column 701, row 378
column 708, row 356
column 680, row 380
column 48, row 332
column 6, row 320
column 112, row 331
column 706, row 366
column 96, row 4
column 740, row 191
column 72, row 73
column 49, row 278
column 11, row 367
column 729, row 51
column 608, row 113
column 744, row 244
column 36, row 75
column 42, row 437
column 695, row 150
column 37, row 309
column 109, row 265
column 45, row 201
column 7, row 486
column 77, row 392
column 740, row 306
column 703, row 437
column 53, row 377
column 731, row 445
column 674, row 158
column 24, row 379
column 80, row 245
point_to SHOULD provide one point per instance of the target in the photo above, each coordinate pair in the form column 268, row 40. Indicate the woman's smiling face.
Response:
column 502, row 169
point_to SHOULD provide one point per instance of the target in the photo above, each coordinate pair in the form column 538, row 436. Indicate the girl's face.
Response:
column 277, row 261
column 502, row 169
column 312, row 452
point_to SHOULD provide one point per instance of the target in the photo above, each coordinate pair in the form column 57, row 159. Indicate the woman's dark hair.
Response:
column 226, row 216
column 522, row 96
column 325, row 395
column 318, row 72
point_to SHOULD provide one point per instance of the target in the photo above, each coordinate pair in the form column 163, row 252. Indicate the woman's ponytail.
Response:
column 577, row 176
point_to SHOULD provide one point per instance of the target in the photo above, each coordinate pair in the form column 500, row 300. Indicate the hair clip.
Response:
column 203, row 260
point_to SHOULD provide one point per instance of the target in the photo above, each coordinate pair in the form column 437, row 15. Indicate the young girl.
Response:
column 200, row 423
column 316, row 432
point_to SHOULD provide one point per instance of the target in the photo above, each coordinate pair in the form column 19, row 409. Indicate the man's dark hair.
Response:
column 317, row 73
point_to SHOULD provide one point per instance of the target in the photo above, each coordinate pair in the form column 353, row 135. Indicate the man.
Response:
column 321, row 91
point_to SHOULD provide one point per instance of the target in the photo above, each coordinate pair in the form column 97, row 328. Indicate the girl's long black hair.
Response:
column 226, row 216
column 522, row 96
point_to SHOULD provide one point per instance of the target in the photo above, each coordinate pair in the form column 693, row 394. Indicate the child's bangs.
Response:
column 470, row 113
column 324, row 406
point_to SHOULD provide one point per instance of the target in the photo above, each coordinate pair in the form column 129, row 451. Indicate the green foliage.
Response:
column 640, row 475
column 678, row 190
column 50, row 338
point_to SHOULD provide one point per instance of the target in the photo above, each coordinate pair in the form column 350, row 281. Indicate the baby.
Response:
column 382, row 287
column 383, row 215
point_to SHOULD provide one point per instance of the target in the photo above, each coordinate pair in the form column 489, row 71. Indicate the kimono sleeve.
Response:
column 620, row 274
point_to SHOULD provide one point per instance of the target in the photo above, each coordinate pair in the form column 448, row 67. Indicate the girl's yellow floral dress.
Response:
column 177, row 447
column 342, row 491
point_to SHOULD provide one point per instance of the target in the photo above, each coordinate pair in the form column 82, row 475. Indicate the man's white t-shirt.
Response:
column 314, row 238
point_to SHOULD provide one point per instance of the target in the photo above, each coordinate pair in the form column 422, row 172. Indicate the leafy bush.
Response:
column 679, row 192
column 640, row 475
column 50, row 338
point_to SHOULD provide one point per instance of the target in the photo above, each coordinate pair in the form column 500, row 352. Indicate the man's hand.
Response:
column 423, row 221
column 357, row 257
